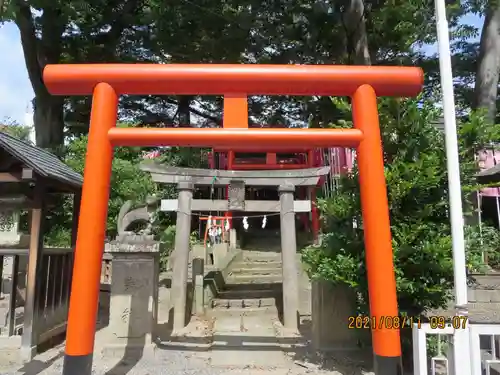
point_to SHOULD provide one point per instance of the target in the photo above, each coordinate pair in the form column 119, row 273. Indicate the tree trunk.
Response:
column 184, row 110
column 49, row 121
column 48, row 116
column 43, row 44
column 355, row 27
column 486, row 88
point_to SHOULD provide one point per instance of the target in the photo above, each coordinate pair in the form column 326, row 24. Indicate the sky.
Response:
column 16, row 92
column 15, row 88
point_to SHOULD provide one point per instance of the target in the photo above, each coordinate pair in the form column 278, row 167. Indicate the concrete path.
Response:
column 242, row 345
column 246, row 341
column 167, row 362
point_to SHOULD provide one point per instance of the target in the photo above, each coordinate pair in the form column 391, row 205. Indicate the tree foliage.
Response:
column 417, row 185
column 15, row 130
column 128, row 182
column 234, row 31
column 376, row 32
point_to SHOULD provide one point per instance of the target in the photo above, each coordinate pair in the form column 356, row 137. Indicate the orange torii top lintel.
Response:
column 222, row 79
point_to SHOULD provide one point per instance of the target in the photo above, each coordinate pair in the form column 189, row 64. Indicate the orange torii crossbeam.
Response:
column 106, row 82
column 226, row 137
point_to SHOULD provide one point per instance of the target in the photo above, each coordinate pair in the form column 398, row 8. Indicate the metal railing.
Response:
column 484, row 349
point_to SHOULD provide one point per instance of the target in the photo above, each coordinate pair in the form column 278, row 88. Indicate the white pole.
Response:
column 498, row 209
column 461, row 345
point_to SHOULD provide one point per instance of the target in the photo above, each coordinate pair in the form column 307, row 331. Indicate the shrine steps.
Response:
column 261, row 263
column 253, row 284
column 257, row 257
column 252, row 304
column 248, row 293
column 256, row 270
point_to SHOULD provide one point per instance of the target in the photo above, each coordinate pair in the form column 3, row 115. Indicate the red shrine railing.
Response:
column 338, row 158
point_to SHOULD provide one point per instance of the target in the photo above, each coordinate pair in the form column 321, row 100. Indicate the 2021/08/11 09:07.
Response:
column 398, row 322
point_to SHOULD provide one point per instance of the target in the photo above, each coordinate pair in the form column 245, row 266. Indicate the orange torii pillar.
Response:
column 107, row 81
column 234, row 116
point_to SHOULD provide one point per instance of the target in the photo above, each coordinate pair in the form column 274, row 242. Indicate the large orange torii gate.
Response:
column 107, row 81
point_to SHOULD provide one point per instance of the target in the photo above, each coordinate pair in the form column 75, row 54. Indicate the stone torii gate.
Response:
column 186, row 180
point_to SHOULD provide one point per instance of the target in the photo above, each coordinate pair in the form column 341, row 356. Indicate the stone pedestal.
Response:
column 134, row 293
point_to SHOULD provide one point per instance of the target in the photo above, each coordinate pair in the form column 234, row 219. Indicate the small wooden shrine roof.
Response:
column 27, row 159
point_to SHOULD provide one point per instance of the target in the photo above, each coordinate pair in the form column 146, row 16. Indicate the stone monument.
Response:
column 11, row 237
column 9, row 227
column 134, row 284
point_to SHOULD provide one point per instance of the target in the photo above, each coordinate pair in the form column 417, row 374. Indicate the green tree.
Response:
column 54, row 31
column 417, row 191
column 235, row 31
column 16, row 130
column 128, row 182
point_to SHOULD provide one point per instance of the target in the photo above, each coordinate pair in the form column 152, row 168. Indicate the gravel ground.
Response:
column 166, row 362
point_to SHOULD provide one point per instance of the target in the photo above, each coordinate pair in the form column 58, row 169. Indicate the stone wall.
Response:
column 485, row 288
column 332, row 305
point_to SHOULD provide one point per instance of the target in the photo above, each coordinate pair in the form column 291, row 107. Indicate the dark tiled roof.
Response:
column 42, row 162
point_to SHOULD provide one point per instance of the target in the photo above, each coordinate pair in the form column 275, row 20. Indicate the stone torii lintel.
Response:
column 173, row 175
column 208, row 205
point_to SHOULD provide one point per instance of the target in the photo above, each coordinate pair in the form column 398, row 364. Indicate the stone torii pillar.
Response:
column 289, row 257
column 181, row 253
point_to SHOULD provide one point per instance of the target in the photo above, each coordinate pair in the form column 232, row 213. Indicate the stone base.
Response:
column 197, row 335
column 133, row 307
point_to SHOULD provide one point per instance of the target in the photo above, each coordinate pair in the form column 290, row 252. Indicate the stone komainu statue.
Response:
column 142, row 214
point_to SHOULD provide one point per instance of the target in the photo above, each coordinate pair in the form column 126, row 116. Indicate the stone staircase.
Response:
column 247, row 307
column 254, row 283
